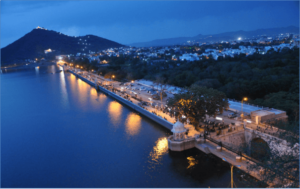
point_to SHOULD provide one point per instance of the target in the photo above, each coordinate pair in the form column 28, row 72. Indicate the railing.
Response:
column 233, row 150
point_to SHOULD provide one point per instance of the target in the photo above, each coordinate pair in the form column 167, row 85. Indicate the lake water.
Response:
column 57, row 131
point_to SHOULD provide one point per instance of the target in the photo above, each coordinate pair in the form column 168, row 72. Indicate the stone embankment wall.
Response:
column 181, row 145
column 135, row 107
column 233, row 139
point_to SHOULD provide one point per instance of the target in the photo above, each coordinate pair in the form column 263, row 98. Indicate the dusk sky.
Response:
column 138, row 21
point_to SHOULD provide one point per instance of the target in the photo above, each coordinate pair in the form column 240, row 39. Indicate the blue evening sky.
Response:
column 138, row 21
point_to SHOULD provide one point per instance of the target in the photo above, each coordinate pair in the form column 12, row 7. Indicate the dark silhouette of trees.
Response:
column 197, row 102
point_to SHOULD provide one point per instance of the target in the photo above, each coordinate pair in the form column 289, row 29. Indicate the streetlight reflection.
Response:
column 115, row 111
column 159, row 149
column 133, row 124
column 191, row 162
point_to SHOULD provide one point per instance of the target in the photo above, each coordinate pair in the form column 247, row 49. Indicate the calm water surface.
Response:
column 57, row 131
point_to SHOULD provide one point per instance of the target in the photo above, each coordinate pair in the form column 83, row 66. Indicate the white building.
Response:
column 47, row 51
column 189, row 57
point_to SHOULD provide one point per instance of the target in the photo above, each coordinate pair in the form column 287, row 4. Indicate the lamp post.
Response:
column 244, row 99
column 231, row 166
column 130, row 84
column 113, row 76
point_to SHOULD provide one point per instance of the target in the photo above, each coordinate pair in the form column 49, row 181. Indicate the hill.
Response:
column 33, row 44
column 226, row 36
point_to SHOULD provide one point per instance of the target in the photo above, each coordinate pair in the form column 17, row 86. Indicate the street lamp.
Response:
column 244, row 99
column 231, row 166
column 130, row 84
column 113, row 76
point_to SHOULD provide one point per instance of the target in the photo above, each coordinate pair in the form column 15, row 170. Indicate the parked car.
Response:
column 232, row 115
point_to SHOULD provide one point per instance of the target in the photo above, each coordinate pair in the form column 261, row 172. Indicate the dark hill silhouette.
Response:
column 33, row 44
column 218, row 37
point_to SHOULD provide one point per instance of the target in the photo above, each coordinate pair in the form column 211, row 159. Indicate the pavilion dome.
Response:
column 178, row 127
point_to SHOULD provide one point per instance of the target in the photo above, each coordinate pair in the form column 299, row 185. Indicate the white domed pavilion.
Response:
column 178, row 131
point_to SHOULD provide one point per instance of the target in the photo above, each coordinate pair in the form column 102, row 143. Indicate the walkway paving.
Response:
column 229, row 156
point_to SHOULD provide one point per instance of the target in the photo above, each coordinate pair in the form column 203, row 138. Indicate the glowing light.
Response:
column 219, row 118
column 239, row 38
column 245, row 99
column 159, row 149
column 191, row 162
column 133, row 124
column 115, row 111
column 93, row 92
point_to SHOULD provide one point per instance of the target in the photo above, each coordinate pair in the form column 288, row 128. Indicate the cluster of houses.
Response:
column 177, row 53
column 247, row 50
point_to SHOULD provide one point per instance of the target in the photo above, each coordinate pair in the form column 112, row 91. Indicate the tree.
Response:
column 197, row 102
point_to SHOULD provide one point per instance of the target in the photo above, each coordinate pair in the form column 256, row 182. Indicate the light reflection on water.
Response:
column 65, row 98
column 94, row 97
column 72, row 83
column 93, row 92
column 102, row 98
column 37, row 70
column 133, row 124
column 115, row 111
column 82, row 91
column 159, row 149
column 192, row 162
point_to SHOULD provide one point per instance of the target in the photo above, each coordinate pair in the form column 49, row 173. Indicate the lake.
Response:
column 58, row 131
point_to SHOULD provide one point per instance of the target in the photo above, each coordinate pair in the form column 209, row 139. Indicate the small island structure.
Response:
column 179, row 141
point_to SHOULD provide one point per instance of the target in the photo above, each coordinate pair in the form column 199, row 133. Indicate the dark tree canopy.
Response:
column 197, row 102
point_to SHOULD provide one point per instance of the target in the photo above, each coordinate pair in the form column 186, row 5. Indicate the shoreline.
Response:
column 30, row 65
column 168, row 125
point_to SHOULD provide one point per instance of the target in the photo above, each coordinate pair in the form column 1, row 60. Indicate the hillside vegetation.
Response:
column 33, row 44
